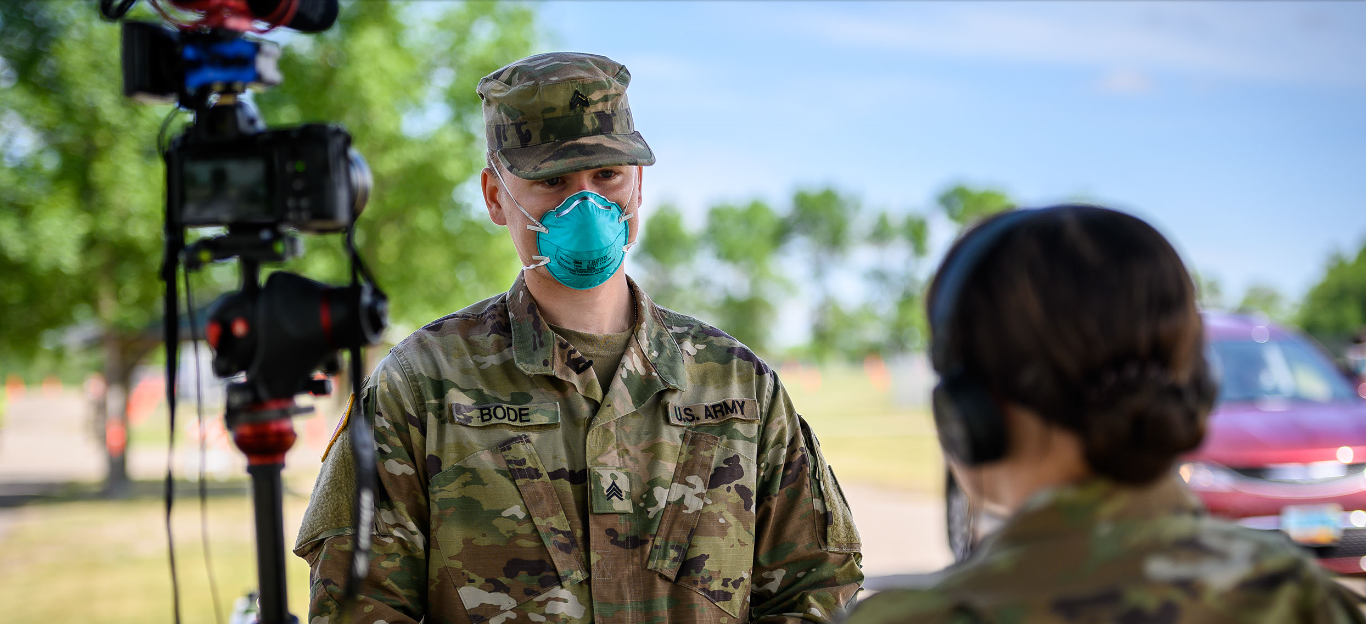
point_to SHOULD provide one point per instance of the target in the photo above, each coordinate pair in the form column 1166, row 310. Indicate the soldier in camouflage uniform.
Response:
column 1080, row 324
column 1100, row 552
column 527, row 476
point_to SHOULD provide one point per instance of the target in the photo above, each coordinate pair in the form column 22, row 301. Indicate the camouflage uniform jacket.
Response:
column 514, row 489
column 1099, row 552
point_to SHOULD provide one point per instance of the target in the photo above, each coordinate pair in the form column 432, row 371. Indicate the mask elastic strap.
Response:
column 624, row 217
column 534, row 228
column 543, row 260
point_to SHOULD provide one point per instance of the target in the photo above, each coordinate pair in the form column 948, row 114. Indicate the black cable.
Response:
column 170, row 335
column 363, row 452
column 203, row 453
column 174, row 235
column 166, row 123
column 114, row 10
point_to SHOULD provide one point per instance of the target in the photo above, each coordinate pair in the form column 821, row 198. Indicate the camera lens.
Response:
column 361, row 181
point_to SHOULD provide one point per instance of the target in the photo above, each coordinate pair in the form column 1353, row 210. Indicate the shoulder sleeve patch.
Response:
column 714, row 412
column 501, row 414
column 329, row 506
column 341, row 426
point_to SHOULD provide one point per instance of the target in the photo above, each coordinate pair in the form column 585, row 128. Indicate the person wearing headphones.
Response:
column 1072, row 376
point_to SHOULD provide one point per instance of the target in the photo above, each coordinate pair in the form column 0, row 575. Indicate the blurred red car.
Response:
column 1285, row 449
column 1286, row 445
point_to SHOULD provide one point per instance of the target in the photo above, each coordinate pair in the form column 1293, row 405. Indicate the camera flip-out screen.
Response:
column 226, row 190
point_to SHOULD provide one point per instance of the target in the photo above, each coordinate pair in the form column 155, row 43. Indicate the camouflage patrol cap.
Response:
column 552, row 114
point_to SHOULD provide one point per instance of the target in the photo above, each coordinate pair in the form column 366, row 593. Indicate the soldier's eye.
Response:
column 608, row 174
column 555, row 181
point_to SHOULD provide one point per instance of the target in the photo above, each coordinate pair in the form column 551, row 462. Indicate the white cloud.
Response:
column 1281, row 43
column 1125, row 81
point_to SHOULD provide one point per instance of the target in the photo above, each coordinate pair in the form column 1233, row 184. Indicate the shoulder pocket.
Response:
column 705, row 539
column 504, row 414
column 840, row 533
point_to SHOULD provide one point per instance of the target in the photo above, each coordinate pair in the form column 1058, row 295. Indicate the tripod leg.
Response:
column 268, row 498
column 265, row 444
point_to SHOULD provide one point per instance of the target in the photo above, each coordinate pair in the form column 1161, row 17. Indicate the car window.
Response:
column 1287, row 369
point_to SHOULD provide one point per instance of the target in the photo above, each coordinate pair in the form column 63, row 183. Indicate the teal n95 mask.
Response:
column 582, row 241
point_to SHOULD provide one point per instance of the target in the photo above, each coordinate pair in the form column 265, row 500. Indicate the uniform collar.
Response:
column 538, row 351
column 1097, row 502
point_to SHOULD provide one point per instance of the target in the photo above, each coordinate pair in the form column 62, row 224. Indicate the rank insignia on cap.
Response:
column 611, row 491
column 578, row 100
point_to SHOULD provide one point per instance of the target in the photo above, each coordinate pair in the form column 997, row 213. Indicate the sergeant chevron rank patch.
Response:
column 710, row 413
column 611, row 491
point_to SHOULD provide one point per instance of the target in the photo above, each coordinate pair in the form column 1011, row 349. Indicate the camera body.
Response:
column 228, row 170
column 307, row 177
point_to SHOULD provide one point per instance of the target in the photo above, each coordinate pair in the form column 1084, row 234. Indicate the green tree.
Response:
column 823, row 222
column 964, row 205
column 668, row 255
column 1334, row 309
column 1208, row 291
column 81, row 184
column 1266, row 300
column 745, row 240
column 895, row 282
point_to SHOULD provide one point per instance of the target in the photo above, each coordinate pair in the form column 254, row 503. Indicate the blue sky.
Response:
column 1238, row 129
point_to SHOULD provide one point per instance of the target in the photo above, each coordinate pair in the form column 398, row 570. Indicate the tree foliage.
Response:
column 82, row 185
column 668, row 251
column 745, row 240
column 897, row 283
column 1209, row 291
column 1265, row 300
column 1335, row 308
column 824, row 226
column 81, row 182
column 740, row 271
column 964, row 205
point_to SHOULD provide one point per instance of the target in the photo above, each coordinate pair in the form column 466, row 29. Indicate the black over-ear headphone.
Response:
column 971, row 426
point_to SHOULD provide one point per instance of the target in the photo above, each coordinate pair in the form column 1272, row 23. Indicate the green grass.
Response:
column 105, row 561
column 865, row 437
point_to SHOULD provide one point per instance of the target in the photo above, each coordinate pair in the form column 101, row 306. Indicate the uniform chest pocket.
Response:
column 500, row 530
column 705, row 539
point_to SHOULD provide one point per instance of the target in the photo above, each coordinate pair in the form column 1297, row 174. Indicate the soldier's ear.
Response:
column 489, row 184
column 640, row 186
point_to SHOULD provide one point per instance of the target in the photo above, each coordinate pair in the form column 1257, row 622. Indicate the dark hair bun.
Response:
column 1139, row 418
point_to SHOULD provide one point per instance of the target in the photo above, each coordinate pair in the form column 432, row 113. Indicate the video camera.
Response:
column 227, row 170
column 231, row 171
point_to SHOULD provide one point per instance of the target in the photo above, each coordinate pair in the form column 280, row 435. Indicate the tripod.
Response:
column 265, row 434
